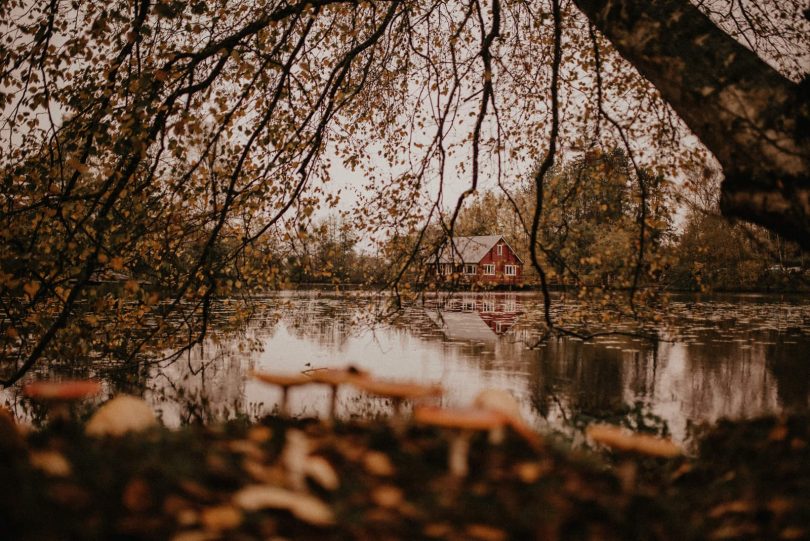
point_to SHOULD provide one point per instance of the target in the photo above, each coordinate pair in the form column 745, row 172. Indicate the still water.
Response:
column 736, row 357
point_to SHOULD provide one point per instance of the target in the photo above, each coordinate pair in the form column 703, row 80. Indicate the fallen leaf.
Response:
column 737, row 506
column 303, row 506
column 780, row 506
column 793, row 533
column 259, row 434
column 530, row 472
column 778, row 433
column 195, row 535
column 321, row 471
column 379, row 464
column 485, row 533
column 223, row 517
column 246, row 447
column 136, row 496
column 52, row 463
column 437, row 529
column 387, row 496
column 196, row 490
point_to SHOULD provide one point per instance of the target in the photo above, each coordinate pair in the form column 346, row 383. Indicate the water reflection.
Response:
column 726, row 357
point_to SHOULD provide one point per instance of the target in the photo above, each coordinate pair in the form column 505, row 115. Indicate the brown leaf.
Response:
column 437, row 529
column 485, row 533
column 196, row 490
column 379, row 464
column 387, row 496
column 52, row 463
column 259, row 434
column 530, row 472
column 195, row 535
column 223, row 517
column 778, row 433
column 736, row 506
column 70, row 495
column 303, row 506
column 137, row 495
column 248, row 448
column 321, row 471
column 793, row 533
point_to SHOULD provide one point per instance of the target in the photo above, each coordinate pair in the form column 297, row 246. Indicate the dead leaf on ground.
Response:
column 271, row 475
column 259, row 434
column 249, row 449
column 52, row 463
column 387, row 496
column 196, row 490
column 321, row 471
column 222, row 517
column 137, row 495
column 377, row 463
column 195, row 535
column 735, row 507
column 530, row 472
column 437, row 529
column 793, row 533
column 303, row 506
column 485, row 533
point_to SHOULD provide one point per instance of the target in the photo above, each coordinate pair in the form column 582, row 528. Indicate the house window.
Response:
column 469, row 269
column 510, row 270
column 500, row 249
column 489, row 269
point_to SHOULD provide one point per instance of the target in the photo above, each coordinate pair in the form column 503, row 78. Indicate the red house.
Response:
column 484, row 259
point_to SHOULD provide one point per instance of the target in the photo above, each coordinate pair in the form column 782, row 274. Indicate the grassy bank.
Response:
column 749, row 480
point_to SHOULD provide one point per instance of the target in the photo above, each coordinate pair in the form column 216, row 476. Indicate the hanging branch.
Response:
column 548, row 161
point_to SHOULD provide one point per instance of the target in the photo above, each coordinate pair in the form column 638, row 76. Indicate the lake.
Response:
column 720, row 356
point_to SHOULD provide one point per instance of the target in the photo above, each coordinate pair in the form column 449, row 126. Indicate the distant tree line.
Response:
column 589, row 232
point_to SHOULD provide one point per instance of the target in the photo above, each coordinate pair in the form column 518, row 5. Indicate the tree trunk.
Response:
column 754, row 120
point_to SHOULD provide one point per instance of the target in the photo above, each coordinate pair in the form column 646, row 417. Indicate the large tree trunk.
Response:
column 754, row 120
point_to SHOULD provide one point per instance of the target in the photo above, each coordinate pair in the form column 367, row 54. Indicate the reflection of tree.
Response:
column 578, row 377
column 791, row 371
column 327, row 321
column 208, row 383
column 715, row 379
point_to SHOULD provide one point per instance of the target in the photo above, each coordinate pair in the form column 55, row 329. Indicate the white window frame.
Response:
column 489, row 269
column 468, row 266
column 510, row 270
column 500, row 249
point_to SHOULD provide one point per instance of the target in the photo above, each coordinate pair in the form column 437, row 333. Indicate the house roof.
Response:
column 470, row 249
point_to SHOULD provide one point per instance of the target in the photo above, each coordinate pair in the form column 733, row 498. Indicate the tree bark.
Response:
column 754, row 120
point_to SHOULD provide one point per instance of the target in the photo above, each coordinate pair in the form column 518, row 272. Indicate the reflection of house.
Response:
column 485, row 259
column 475, row 318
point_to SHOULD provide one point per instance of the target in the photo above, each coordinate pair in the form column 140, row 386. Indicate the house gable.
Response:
column 486, row 259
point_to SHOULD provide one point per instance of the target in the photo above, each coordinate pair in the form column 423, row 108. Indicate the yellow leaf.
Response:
column 31, row 289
